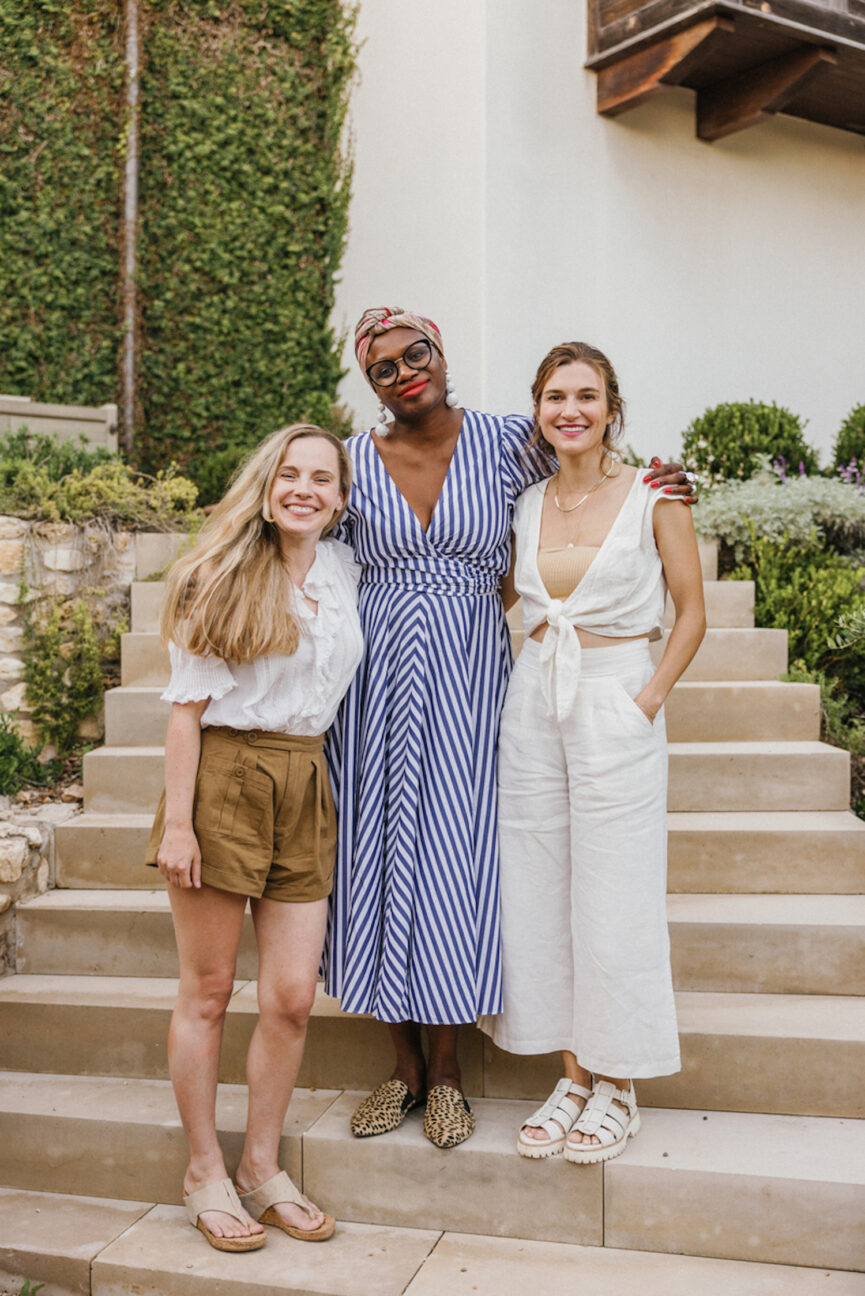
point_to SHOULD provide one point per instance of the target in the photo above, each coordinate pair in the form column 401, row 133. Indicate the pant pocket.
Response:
column 626, row 698
column 234, row 800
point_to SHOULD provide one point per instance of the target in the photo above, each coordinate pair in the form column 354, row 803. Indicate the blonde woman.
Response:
column 583, row 767
column 263, row 634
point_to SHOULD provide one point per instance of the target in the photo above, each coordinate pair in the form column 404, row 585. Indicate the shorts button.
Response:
column 251, row 736
column 239, row 772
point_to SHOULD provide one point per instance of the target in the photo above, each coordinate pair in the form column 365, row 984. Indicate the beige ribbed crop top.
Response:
column 561, row 570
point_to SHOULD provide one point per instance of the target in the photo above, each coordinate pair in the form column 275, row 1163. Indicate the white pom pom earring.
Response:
column 381, row 426
column 451, row 398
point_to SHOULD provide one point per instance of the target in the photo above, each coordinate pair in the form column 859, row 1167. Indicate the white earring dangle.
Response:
column 381, row 426
column 451, row 398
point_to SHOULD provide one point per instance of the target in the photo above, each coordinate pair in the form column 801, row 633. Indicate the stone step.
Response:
column 725, row 654
column 735, row 655
column 146, row 598
column 766, row 851
column 730, row 711
column 758, row 776
column 728, row 604
column 788, row 1054
column 466, row 1265
column 810, row 851
column 150, row 1249
column 55, row 1238
column 727, row 1185
column 703, row 776
column 769, row 944
column 761, row 1181
column 143, row 660
column 103, row 850
column 136, row 716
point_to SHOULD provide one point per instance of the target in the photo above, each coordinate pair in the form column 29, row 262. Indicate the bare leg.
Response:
column 579, row 1075
column 207, row 925
column 410, row 1066
column 443, row 1065
column 290, row 939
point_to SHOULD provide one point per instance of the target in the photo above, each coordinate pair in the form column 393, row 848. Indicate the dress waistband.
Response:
column 267, row 739
column 485, row 584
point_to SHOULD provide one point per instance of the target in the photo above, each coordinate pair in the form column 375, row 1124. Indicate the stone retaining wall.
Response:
column 26, row 864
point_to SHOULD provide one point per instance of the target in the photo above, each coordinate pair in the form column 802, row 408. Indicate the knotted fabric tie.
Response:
column 560, row 662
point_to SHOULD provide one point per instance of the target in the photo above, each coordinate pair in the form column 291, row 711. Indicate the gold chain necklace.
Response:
column 589, row 492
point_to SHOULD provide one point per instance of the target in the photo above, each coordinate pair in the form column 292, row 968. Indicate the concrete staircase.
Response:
column 748, row 1176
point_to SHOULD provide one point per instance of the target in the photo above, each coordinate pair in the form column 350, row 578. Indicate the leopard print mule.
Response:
column 384, row 1109
column 448, row 1119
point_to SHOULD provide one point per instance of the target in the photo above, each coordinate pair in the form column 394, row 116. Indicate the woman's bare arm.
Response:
column 677, row 545
column 507, row 587
column 179, row 857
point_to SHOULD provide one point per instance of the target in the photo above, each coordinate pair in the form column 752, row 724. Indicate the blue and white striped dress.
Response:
column 414, row 930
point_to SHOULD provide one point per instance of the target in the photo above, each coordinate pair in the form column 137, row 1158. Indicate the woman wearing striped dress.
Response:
column 414, row 931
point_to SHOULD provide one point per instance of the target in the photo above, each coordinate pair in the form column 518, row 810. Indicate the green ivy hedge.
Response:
column 244, row 190
column 244, row 205
column 61, row 83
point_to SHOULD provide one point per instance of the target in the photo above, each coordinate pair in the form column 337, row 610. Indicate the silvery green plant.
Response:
column 802, row 509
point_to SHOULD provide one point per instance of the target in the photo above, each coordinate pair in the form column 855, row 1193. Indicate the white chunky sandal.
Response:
column 557, row 1116
column 610, row 1124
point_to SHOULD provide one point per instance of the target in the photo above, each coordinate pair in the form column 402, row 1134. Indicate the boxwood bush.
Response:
column 733, row 442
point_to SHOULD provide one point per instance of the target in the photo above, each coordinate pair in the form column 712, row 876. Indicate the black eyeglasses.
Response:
column 384, row 372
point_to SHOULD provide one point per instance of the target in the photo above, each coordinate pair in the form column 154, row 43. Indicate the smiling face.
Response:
column 572, row 410
column 306, row 491
column 415, row 390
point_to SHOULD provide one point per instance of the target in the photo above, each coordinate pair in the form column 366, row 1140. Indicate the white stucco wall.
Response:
column 489, row 194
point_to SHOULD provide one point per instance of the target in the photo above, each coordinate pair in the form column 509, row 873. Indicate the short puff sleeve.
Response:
column 195, row 678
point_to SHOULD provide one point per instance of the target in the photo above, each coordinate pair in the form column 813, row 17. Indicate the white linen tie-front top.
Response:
column 622, row 594
column 297, row 694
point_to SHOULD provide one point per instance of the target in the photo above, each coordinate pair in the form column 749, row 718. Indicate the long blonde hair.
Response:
column 231, row 595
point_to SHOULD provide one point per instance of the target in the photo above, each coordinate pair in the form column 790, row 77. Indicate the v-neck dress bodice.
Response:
column 414, row 929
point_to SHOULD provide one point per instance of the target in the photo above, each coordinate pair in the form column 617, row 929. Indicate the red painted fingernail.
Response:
column 645, row 479
column 655, row 485
column 656, row 460
column 668, row 490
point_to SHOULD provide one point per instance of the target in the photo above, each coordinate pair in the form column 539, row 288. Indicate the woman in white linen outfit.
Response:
column 583, row 768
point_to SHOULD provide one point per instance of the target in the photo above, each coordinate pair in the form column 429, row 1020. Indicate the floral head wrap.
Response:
column 379, row 319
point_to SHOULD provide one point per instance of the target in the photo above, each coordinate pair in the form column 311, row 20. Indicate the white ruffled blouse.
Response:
column 297, row 694
column 623, row 592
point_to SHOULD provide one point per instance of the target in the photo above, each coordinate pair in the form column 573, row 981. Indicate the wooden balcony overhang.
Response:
column 745, row 63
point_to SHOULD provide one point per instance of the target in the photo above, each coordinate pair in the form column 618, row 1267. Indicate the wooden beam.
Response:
column 752, row 96
column 625, row 84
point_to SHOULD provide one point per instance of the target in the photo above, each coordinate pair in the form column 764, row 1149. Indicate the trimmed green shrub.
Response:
column 732, row 442
column 849, row 452
column 795, row 510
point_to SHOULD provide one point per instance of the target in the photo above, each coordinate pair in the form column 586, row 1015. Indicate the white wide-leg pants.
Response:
column 583, row 849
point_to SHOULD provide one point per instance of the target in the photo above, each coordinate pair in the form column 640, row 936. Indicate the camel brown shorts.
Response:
column 263, row 815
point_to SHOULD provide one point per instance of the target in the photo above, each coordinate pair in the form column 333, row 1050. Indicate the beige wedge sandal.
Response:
column 261, row 1204
column 221, row 1196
